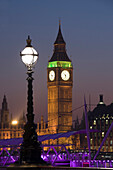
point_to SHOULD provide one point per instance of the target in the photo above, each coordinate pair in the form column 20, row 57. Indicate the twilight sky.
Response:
column 87, row 28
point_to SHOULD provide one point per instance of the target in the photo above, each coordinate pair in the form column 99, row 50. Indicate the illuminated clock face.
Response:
column 51, row 75
column 65, row 75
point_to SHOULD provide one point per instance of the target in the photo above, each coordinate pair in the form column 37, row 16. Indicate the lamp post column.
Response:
column 30, row 151
column 30, row 115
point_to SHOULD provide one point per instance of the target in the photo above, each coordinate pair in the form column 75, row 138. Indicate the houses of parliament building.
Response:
column 7, row 129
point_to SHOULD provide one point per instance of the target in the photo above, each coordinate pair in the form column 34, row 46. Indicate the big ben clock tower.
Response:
column 59, row 83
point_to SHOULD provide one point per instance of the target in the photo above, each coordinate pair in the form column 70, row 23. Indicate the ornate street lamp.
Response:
column 30, row 151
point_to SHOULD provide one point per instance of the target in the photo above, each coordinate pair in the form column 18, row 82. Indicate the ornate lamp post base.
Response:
column 31, row 155
column 30, row 151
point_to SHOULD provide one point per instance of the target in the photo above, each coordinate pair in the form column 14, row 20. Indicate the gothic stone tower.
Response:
column 59, row 83
column 4, row 113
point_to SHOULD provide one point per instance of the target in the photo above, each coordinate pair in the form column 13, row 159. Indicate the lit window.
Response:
column 102, row 134
column 110, row 148
column 90, row 127
column 107, row 116
column 94, row 122
column 107, row 122
column 111, row 142
column 91, row 141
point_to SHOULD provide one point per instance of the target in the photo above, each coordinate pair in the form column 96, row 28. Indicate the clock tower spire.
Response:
column 59, row 83
column 59, row 53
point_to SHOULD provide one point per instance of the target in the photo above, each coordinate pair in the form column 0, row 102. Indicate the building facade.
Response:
column 7, row 129
column 101, row 118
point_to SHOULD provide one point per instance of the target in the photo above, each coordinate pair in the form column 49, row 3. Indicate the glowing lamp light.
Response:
column 101, row 102
column 14, row 122
column 29, row 55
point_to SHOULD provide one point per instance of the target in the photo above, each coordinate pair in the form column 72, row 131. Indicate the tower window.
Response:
column 102, row 134
column 94, row 122
column 91, row 141
column 111, row 142
column 106, row 121
column 111, row 148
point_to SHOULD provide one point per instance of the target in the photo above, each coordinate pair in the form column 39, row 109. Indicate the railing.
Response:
column 61, row 158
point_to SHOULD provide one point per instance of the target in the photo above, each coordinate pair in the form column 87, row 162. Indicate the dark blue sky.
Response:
column 87, row 28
